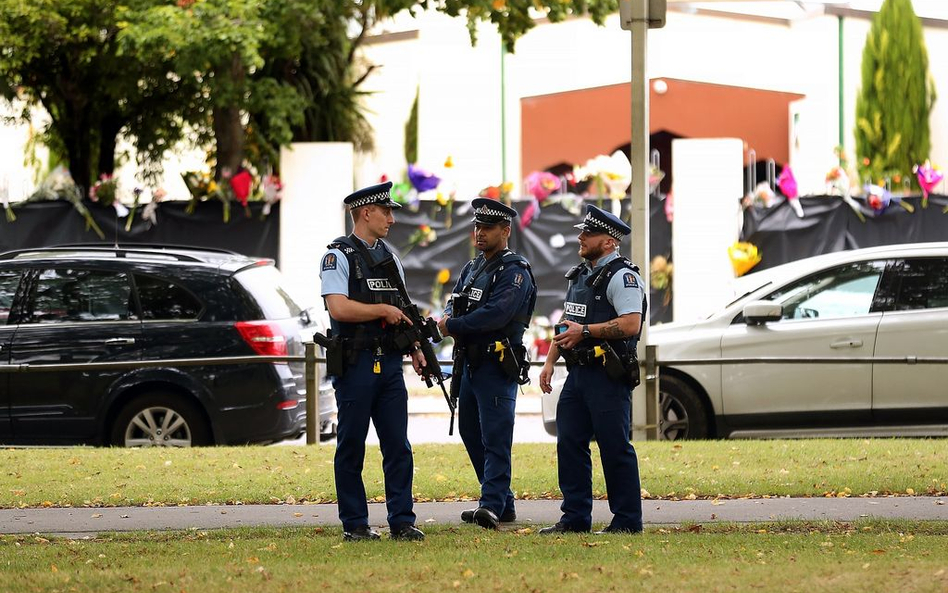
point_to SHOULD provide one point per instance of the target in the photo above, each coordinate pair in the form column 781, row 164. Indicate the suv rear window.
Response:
column 265, row 285
column 924, row 284
column 163, row 299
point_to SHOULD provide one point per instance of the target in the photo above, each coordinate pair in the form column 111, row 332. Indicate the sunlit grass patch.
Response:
column 786, row 556
column 284, row 474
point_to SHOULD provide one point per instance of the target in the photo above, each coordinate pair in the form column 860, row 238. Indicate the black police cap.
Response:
column 374, row 194
column 488, row 211
column 599, row 221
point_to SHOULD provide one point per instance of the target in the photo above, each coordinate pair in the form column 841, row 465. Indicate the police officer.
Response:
column 494, row 299
column 364, row 310
column 605, row 305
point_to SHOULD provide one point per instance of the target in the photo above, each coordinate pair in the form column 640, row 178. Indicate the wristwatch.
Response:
column 586, row 333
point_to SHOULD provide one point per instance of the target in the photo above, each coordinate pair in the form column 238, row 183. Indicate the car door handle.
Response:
column 847, row 343
column 119, row 341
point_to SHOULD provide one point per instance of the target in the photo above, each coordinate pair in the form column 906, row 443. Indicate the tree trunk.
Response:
column 77, row 138
column 108, row 133
column 228, row 129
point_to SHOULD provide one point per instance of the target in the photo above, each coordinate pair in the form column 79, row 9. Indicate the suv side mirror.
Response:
column 760, row 312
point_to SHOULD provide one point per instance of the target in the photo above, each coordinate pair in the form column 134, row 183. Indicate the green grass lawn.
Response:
column 702, row 469
column 805, row 557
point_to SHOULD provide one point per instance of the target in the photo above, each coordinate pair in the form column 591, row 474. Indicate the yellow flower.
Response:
column 507, row 186
column 212, row 187
column 442, row 199
column 444, row 275
column 448, row 163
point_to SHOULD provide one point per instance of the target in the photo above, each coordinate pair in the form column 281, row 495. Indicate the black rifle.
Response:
column 423, row 331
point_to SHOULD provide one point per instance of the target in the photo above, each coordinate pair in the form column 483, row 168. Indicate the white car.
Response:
column 881, row 302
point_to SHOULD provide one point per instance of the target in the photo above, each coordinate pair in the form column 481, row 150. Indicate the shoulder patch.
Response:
column 329, row 261
column 518, row 280
column 630, row 281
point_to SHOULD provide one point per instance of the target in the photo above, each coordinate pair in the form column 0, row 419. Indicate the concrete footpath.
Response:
column 84, row 522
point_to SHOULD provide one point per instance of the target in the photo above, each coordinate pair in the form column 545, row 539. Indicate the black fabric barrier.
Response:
column 830, row 225
column 41, row 224
column 454, row 247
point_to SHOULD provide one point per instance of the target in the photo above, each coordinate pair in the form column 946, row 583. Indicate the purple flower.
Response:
column 422, row 180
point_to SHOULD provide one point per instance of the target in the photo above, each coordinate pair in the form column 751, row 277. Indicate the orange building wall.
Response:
column 577, row 125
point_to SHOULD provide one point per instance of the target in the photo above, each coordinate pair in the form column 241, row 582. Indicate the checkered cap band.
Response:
column 595, row 223
column 485, row 211
column 369, row 199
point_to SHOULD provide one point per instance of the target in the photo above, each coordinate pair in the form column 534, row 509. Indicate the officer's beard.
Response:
column 597, row 253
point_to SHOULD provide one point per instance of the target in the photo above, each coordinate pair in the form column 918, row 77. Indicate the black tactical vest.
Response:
column 367, row 284
column 586, row 301
column 478, row 287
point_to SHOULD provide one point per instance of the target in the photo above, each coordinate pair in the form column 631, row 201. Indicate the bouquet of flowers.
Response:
column 837, row 182
column 59, row 185
column 538, row 185
column 607, row 175
column 437, row 289
column 660, row 275
column 424, row 235
column 788, row 187
column 104, row 190
column 272, row 192
column 498, row 192
column 240, row 187
column 928, row 178
column 743, row 256
column 150, row 213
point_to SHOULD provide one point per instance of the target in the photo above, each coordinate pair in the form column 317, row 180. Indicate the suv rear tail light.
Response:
column 265, row 337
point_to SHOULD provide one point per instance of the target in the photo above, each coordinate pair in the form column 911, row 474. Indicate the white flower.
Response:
column 614, row 172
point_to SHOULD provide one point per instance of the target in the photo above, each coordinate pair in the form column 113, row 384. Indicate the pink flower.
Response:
column 788, row 183
column 928, row 178
column 541, row 184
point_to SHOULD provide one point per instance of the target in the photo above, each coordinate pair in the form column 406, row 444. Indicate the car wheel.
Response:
column 160, row 420
column 682, row 413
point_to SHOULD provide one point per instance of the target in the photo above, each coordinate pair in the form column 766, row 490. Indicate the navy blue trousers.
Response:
column 486, row 408
column 362, row 395
column 593, row 405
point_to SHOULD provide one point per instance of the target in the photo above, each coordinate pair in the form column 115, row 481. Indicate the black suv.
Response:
column 78, row 304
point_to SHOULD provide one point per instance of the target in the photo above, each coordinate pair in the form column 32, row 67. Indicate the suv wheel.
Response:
column 160, row 420
column 682, row 414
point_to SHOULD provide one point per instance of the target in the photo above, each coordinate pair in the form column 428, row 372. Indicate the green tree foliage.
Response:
column 64, row 56
column 245, row 75
column 897, row 95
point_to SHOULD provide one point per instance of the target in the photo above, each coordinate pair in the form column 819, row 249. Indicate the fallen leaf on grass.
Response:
column 97, row 515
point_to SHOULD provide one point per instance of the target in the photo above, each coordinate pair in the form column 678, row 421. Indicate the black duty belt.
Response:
column 581, row 357
column 374, row 343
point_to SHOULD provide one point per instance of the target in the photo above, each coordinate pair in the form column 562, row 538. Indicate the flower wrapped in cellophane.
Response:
column 608, row 176
column 743, row 256
column 59, row 185
column 929, row 177
column 423, row 236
